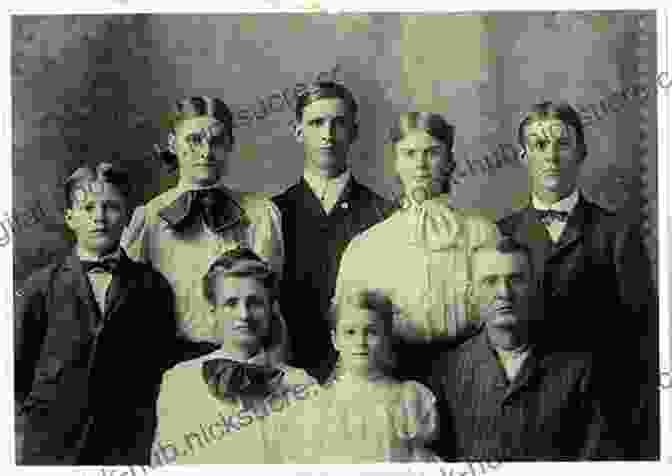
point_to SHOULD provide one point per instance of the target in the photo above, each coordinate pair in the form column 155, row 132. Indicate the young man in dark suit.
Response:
column 594, row 274
column 505, row 395
column 93, row 335
column 320, row 215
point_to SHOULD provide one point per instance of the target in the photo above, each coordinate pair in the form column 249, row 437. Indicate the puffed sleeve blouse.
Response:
column 420, row 258
column 359, row 421
column 184, row 257
column 196, row 427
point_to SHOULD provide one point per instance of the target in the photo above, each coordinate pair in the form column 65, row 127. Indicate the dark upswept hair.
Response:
column 325, row 90
column 434, row 125
column 240, row 262
column 562, row 111
column 84, row 177
column 191, row 107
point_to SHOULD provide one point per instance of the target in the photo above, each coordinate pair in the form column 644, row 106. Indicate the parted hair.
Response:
column 190, row 107
column 561, row 111
column 325, row 90
column 85, row 178
column 434, row 125
column 245, row 263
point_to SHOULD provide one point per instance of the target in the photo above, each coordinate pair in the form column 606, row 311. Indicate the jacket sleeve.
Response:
column 639, row 299
column 30, row 324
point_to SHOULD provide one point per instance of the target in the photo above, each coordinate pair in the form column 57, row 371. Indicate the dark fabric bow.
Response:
column 548, row 216
column 108, row 265
column 217, row 209
column 229, row 379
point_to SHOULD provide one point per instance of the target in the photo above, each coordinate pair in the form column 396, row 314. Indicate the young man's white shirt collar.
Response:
column 100, row 282
column 327, row 190
column 567, row 204
column 512, row 360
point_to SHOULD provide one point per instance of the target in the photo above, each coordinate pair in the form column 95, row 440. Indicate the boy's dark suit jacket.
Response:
column 86, row 391
column 599, row 296
column 314, row 243
column 548, row 412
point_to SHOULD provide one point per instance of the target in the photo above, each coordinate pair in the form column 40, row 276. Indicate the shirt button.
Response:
column 345, row 205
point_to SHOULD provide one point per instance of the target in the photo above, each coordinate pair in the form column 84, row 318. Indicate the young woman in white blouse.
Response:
column 419, row 257
column 240, row 403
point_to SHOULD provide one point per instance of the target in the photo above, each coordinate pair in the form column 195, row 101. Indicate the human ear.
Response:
column 332, row 334
column 69, row 218
column 298, row 131
column 354, row 131
column 171, row 142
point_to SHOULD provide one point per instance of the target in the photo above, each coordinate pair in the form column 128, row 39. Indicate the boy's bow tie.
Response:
column 549, row 216
column 108, row 265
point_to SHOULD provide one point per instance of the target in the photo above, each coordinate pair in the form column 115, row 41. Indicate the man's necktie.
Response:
column 216, row 208
column 109, row 265
column 549, row 216
column 229, row 379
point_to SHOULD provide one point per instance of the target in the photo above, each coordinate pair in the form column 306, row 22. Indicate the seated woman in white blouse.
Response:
column 240, row 403
column 362, row 415
column 419, row 256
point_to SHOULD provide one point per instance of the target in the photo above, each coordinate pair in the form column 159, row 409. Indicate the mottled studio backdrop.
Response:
column 88, row 88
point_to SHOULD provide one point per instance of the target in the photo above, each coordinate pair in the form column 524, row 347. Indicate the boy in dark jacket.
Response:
column 93, row 335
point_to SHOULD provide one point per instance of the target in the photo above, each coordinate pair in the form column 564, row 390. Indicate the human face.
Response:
column 421, row 163
column 326, row 131
column 552, row 156
column 360, row 338
column 502, row 287
column 202, row 146
column 97, row 217
column 242, row 311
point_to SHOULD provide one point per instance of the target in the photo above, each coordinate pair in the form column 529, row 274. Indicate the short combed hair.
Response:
column 325, row 90
column 562, row 111
column 507, row 245
column 84, row 177
column 188, row 108
column 241, row 263
column 368, row 299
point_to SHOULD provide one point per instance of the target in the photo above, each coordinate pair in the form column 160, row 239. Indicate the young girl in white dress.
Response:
column 362, row 414
column 240, row 403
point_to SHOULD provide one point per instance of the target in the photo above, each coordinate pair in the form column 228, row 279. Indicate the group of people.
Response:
column 331, row 325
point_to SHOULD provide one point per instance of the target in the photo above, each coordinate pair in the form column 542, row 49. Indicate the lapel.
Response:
column 574, row 228
column 307, row 200
column 532, row 233
column 486, row 372
column 348, row 196
column 119, row 287
column 530, row 370
column 75, row 278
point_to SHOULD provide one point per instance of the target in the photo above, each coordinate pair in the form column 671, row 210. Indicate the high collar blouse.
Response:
column 420, row 258
column 202, row 429
column 183, row 257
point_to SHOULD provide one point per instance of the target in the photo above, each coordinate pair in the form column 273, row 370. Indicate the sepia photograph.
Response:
column 334, row 238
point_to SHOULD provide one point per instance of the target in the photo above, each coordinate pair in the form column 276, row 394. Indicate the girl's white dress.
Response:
column 353, row 420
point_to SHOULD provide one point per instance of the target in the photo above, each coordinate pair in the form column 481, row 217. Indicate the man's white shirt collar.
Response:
column 327, row 190
column 83, row 255
column 567, row 204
